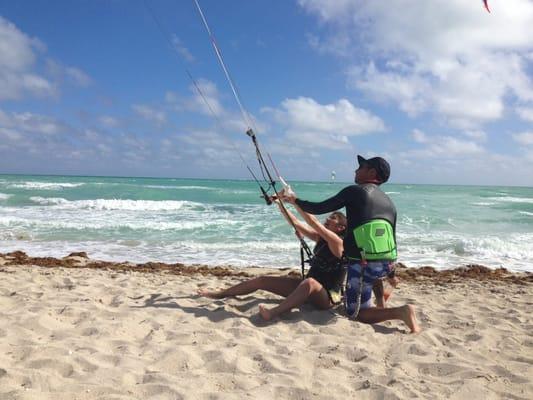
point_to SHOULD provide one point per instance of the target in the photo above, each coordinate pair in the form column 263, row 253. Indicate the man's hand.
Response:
column 289, row 197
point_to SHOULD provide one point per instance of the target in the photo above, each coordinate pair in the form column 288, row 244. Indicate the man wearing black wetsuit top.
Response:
column 364, row 202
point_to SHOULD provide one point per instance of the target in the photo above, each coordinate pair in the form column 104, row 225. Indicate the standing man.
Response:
column 369, row 242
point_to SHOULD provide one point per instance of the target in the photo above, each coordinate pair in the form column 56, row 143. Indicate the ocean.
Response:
column 225, row 222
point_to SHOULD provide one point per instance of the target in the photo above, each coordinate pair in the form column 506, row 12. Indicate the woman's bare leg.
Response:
column 308, row 289
column 280, row 285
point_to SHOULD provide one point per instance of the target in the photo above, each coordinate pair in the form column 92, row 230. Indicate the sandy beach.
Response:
column 75, row 328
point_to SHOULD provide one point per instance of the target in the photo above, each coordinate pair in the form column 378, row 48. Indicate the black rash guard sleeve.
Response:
column 334, row 203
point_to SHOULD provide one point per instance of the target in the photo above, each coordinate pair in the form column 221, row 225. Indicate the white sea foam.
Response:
column 45, row 185
column 447, row 250
column 530, row 214
column 179, row 187
column 194, row 188
column 107, row 222
column 114, row 204
column 483, row 203
column 4, row 196
column 509, row 199
column 48, row 200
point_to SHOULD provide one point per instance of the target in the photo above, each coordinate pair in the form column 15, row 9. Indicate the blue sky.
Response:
column 442, row 89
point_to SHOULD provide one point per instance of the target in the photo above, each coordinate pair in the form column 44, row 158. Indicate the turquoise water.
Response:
column 219, row 222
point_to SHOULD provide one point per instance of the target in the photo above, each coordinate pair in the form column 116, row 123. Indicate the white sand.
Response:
column 94, row 334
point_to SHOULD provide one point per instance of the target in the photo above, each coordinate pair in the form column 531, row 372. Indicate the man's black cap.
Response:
column 381, row 166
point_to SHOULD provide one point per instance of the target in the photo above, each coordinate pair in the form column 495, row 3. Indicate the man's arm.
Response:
column 332, row 204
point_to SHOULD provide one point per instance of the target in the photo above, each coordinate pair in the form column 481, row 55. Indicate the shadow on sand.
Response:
column 235, row 307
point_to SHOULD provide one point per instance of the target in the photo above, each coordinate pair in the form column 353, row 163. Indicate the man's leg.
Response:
column 374, row 315
column 280, row 285
column 379, row 293
column 308, row 289
column 371, row 315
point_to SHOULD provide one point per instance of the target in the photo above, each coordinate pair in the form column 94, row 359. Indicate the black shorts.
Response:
column 331, row 279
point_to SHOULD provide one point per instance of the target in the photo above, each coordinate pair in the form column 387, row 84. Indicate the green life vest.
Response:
column 375, row 240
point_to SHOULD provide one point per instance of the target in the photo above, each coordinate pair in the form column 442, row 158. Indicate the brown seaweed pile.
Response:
column 406, row 274
column 81, row 260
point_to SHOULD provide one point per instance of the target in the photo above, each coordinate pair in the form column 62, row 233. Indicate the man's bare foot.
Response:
column 409, row 317
column 265, row 313
column 208, row 293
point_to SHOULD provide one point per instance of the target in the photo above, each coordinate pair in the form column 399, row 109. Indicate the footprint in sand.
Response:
column 417, row 350
column 89, row 331
column 62, row 368
column 474, row 337
column 439, row 369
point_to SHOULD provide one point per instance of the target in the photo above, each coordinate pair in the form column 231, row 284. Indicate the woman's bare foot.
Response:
column 265, row 313
column 210, row 294
column 409, row 317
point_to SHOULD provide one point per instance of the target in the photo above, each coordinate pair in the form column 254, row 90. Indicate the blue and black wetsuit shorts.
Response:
column 372, row 271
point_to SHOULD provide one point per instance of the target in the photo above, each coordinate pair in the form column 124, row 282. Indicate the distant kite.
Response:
column 486, row 3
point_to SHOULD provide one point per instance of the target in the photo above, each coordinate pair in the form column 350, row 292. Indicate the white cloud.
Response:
column 62, row 73
column 208, row 139
column 16, row 48
column 339, row 44
column 442, row 147
column 10, row 134
column 480, row 136
column 31, row 123
column 525, row 113
column 451, row 147
column 171, row 97
column 525, row 138
column 78, row 76
column 342, row 118
column 383, row 86
column 150, row 114
column 419, row 136
column 108, row 121
column 310, row 124
column 134, row 142
column 339, row 10
column 181, row 49
column 206, row 98
column 19, row 59
column 452, row 57
column 208, row 149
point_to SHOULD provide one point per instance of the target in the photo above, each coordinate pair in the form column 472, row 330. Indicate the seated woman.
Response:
column 324, row 281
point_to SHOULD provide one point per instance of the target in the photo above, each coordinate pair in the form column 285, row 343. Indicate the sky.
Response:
column 442, row 89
